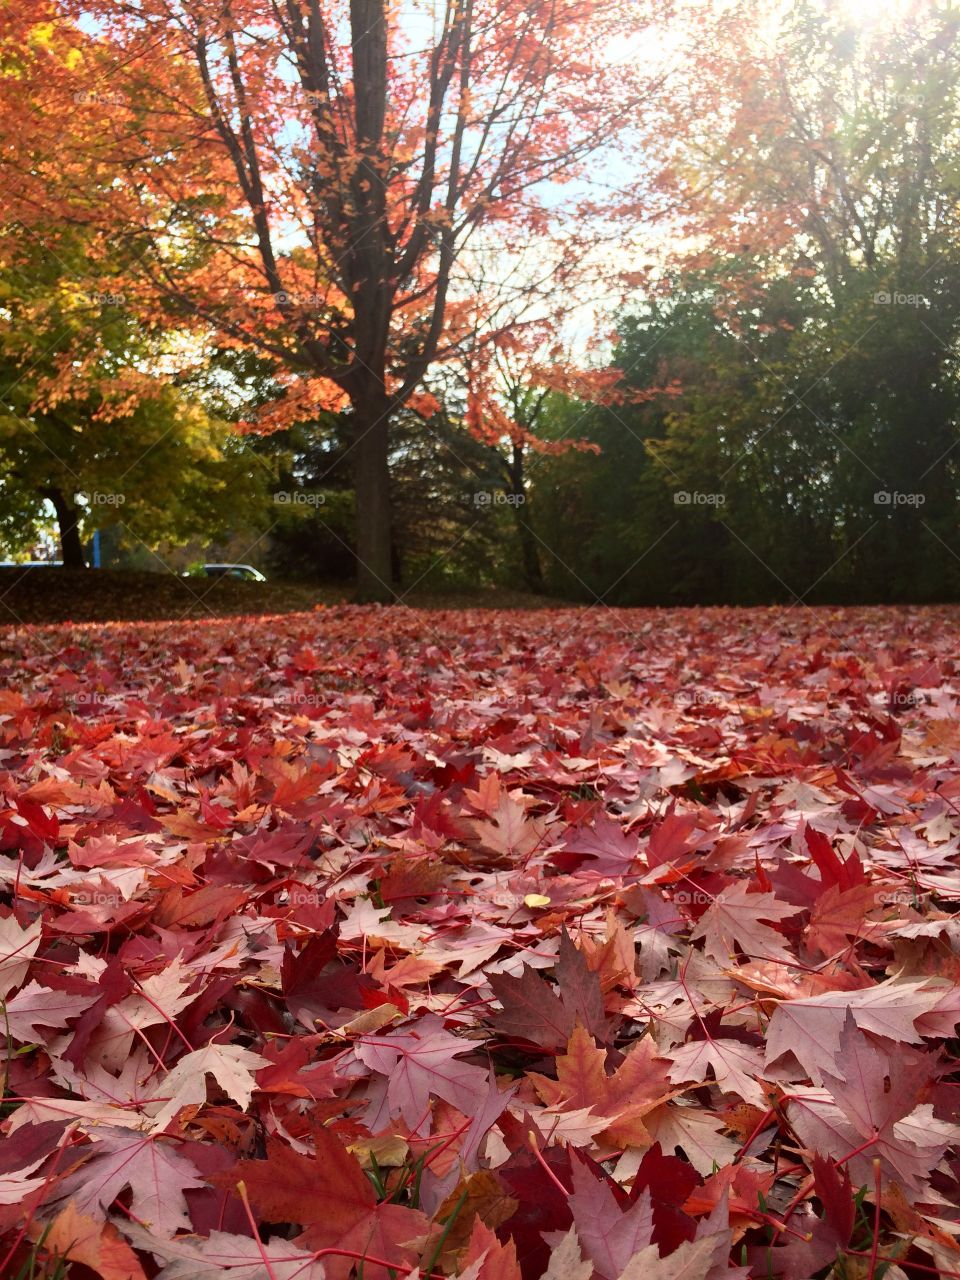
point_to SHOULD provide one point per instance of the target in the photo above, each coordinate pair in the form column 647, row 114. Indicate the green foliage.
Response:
column 818, row 427
column 88, row 413
column 443, row 536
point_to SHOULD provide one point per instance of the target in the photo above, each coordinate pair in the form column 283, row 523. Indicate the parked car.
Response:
column 246, row 572
column 31, row 564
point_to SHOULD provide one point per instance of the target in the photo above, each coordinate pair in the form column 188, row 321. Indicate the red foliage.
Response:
column 452, row 941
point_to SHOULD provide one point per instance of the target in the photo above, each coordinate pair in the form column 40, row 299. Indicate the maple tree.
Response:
column 318, row 172
column 317, row 958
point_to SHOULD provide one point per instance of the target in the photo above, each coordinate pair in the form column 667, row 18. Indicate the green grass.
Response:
column 110, row 595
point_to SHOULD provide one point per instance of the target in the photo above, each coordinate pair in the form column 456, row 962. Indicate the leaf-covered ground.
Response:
column 594, row 945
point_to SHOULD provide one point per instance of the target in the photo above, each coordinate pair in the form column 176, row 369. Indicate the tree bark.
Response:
column 372, row 480
column 71, row 548
column 529, row 551
column 532, row 570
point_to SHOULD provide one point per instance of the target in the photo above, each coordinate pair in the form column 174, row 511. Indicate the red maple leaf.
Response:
column 331, row 1197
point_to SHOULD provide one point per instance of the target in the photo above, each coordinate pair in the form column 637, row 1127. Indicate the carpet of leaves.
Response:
column 577, row 944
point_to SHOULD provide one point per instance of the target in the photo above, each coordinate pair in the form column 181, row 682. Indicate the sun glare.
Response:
column 875, row 13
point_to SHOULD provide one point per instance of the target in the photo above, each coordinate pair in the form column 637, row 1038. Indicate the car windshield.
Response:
column 245, row 572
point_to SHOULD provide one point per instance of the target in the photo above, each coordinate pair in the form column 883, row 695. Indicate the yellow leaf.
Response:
column 389, row 1150
column 536, row 900
column 41, row 33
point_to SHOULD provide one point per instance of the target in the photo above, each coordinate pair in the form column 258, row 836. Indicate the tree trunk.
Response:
column 71, row 548
column 529, row 550
column 532, row 571
column 372, row 479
